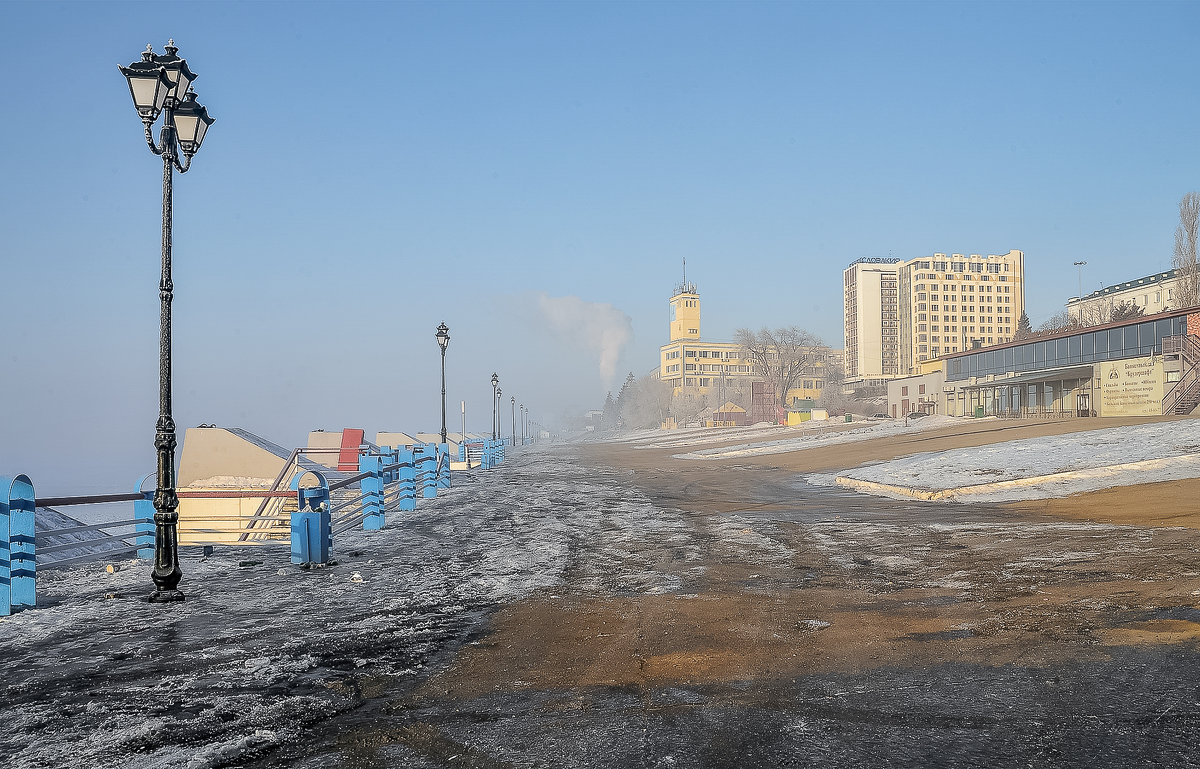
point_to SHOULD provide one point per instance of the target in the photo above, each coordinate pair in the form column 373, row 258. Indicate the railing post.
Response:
column 18, row 561
column 443, row 466
column 5, row 551
column 427, row 470
column 372, row 490
column 311, row 524
column 408, row 477
column 143, row 527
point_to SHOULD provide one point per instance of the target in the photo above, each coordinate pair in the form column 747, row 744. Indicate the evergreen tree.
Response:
column 1024, row 328
column 609, row 418
column 1127, row 311
column 626, row 393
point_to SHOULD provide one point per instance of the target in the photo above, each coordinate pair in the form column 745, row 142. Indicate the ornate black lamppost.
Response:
column 496, row 411
column 522, row 408
column 162, row 84
column 514, row 420
column 495, row 395
column 443, row 340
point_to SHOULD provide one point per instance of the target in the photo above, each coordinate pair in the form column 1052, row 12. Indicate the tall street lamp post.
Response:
column 161, row 84
column 496, row 411
column 522, row 407
column 514, row 420
column 443, row 340
column 1079, row 266
column 495, row 389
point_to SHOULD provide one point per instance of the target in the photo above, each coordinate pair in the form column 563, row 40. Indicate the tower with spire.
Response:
column 685, row 310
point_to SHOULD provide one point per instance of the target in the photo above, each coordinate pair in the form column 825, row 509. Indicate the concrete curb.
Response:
column 1107, row 471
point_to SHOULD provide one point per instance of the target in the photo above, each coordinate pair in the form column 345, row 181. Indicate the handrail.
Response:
column 1184, row 387
column 89, row 499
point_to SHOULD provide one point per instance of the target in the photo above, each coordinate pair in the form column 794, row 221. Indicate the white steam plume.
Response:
column 599, row 328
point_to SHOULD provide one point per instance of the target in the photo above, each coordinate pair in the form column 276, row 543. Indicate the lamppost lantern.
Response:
column 162, row 84
column 495, row 381
column 148, row 84
column 191, row 123
column 443, row 336
column 177, row 70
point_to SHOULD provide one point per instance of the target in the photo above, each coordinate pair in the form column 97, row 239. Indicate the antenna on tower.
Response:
column 685, row 287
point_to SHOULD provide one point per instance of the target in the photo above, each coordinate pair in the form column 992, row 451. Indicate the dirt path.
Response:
column 759, row 622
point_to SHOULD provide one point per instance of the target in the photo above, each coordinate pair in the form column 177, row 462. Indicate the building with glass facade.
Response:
column 1143, row 366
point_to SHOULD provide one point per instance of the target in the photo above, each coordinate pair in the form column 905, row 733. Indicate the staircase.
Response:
column 1184, row 395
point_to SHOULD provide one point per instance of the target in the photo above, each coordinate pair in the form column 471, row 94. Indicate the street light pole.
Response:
column 161, row 84
column 1080, row 265
column 495, row 390
column 443, row 340
column 496, row 411
column 514, row 420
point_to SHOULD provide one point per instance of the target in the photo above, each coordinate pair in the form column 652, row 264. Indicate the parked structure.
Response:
column 899, row 314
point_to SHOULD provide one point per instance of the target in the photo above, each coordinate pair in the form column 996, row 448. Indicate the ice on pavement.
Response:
column 1095, row 459
column 96, row 676
column 825, row 433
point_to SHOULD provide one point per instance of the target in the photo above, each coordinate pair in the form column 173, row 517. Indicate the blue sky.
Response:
column 376, row 168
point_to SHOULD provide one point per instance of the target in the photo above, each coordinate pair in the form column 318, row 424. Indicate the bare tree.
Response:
column 1187, row 291
column 782, row 356
column 1060, row 321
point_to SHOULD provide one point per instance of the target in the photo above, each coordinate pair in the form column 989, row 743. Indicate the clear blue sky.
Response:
column 376, row 168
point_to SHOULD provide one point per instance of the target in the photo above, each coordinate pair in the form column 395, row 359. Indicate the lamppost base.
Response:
column 165, row 596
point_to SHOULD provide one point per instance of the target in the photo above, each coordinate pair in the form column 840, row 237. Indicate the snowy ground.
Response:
column 269, row 665
column 261, row 649
column 765, row 438
column 1037, row 468
column 808, row 436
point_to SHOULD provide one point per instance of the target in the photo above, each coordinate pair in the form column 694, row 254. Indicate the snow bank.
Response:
column 1037, row 468
column 825, row 434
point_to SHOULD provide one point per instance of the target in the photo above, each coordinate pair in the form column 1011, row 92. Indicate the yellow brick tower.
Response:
column 685, row 310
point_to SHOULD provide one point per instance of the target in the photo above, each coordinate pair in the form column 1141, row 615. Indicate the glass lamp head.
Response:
column 177, row 71
column 443, row 336
column 148, row 84
column 191, row 123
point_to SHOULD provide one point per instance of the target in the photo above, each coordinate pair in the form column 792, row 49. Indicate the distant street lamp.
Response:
column 443, row 340
column 495, row 390
column 496, row 411
column 1080, row 265
column 161, row 84
column 514, row 420
column 522, row 407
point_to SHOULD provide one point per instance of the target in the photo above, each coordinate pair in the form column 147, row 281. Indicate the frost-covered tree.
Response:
column 1024, row 327
column 1187, row 290
column 1126, row 311
column 609, row 416
column 782, row 356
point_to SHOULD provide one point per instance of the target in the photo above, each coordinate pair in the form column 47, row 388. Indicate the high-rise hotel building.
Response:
column 899, row 314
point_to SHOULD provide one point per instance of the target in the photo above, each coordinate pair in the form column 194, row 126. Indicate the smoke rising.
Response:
column 601, row 329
